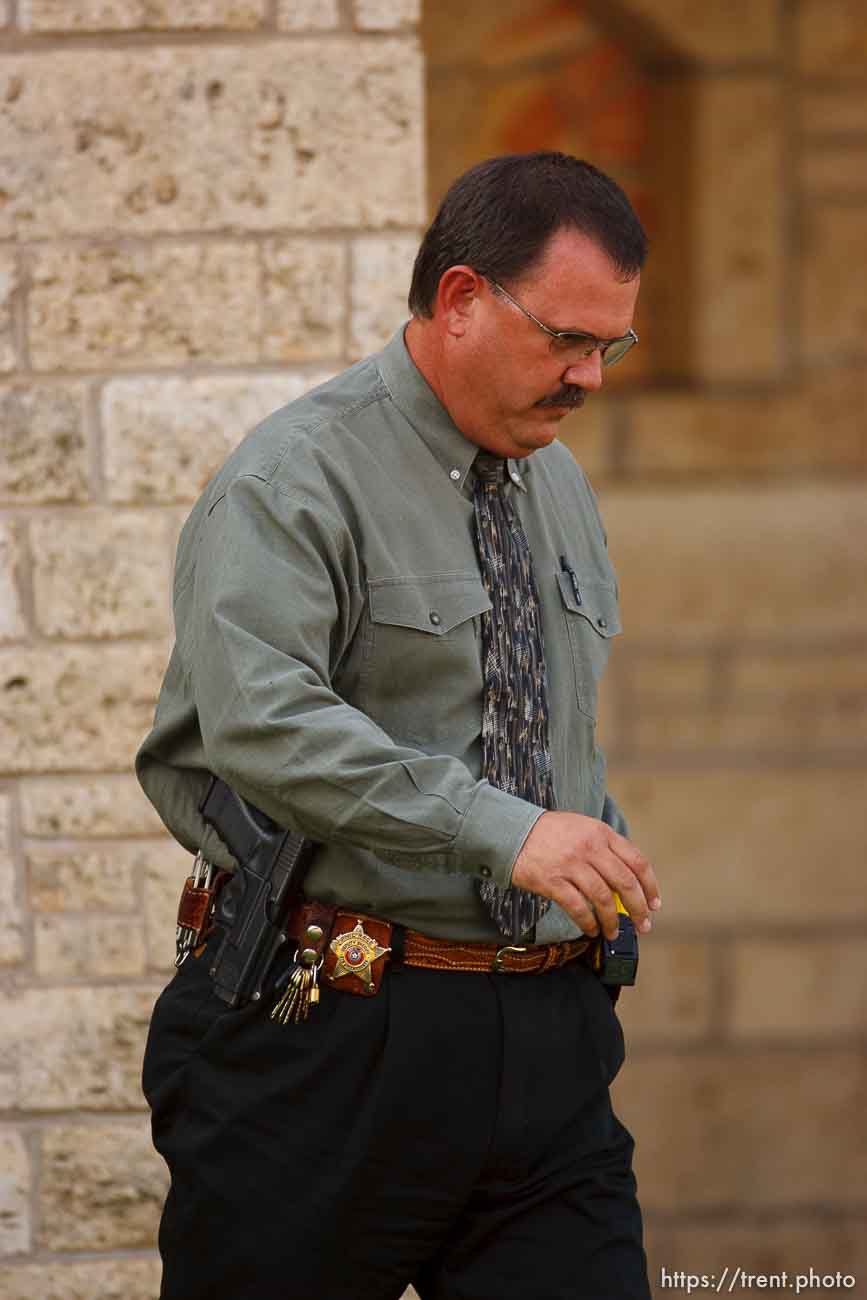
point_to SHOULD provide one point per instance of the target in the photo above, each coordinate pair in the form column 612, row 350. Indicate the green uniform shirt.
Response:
column 327, row 659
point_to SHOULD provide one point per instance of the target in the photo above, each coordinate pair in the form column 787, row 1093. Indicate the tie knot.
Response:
column 489, row 468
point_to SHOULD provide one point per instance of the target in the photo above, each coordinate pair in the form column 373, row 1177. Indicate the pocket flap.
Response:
column 434, row 605
column 596, row 602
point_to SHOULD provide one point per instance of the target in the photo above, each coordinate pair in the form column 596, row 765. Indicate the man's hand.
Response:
column 579, row 861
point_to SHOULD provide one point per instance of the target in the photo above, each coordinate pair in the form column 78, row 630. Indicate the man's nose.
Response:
column 586, row 372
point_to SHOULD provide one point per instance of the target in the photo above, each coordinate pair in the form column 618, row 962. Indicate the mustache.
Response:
column 566, row 395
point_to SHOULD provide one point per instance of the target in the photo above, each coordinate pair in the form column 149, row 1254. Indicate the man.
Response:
column 393, row 606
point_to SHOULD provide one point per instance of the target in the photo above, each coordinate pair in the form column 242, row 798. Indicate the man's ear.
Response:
column 457, row 293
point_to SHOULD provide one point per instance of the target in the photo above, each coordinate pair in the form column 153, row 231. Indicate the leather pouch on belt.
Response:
column 355, row 959
column 194, row 906
column 195, row 912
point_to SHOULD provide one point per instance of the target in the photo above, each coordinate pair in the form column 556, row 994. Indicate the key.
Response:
column 302, row 989
column 285, row 1008
column 302, row 1010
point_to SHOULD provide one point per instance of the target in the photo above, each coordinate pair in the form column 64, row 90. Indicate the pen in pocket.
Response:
column 567, row 568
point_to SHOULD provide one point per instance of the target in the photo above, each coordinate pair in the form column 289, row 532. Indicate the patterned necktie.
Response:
column 515, row 752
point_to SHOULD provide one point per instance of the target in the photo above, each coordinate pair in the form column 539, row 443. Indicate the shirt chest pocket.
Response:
column 592, row 618
column 435, row 606
column 422, row 677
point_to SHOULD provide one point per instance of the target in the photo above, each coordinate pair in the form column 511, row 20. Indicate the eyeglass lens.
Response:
column 582, row 345
column 616, row 350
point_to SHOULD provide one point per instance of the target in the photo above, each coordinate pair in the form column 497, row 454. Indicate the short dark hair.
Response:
column 498, row 217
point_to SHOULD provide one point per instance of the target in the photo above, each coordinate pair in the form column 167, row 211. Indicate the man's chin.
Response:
column 545, row 431
column 552, row 415
column 534, row 432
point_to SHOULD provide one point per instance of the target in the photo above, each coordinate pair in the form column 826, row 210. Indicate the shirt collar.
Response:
column 417, row 401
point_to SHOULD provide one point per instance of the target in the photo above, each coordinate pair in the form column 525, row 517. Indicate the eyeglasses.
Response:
column 565, row 341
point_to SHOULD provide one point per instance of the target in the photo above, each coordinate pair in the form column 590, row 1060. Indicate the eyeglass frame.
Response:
column 575, row 335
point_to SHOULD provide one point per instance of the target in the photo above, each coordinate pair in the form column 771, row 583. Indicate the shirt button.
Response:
column 485, row 871
column 603, row 622
column 515, row 476
column 435, row 618
column 454, row 475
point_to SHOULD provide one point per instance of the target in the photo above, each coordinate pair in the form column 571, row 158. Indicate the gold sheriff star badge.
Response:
column 356, row 952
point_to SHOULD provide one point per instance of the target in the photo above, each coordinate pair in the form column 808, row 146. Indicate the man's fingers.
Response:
column 598, row 891
column 573, row 902
column 639, row 865
column 580, row 862
column 617, row 876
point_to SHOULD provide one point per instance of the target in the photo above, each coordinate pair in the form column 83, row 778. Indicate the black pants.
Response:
column 454, row 1131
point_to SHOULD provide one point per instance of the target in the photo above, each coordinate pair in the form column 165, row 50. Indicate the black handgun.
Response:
column 252, row 907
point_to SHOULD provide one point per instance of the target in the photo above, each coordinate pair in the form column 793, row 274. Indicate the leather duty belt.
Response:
column 355, row 949
column 349, row 950
column 446, row 954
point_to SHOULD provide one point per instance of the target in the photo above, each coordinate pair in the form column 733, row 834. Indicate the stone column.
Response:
column 205, row 208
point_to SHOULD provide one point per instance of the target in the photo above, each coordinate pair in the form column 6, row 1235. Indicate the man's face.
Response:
column 520, row 384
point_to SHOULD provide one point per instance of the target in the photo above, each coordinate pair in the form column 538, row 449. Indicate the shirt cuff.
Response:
column 494, row 829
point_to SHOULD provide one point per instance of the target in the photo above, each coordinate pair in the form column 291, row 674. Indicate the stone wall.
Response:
column 732, row 471
column 204, row 208
column 736, row 498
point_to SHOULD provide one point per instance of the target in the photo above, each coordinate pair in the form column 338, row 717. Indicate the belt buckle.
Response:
column 497, row 963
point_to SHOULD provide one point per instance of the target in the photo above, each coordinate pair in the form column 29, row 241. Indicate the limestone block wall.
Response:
column 205, row 208
column 732, row 471
column 736, row 498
